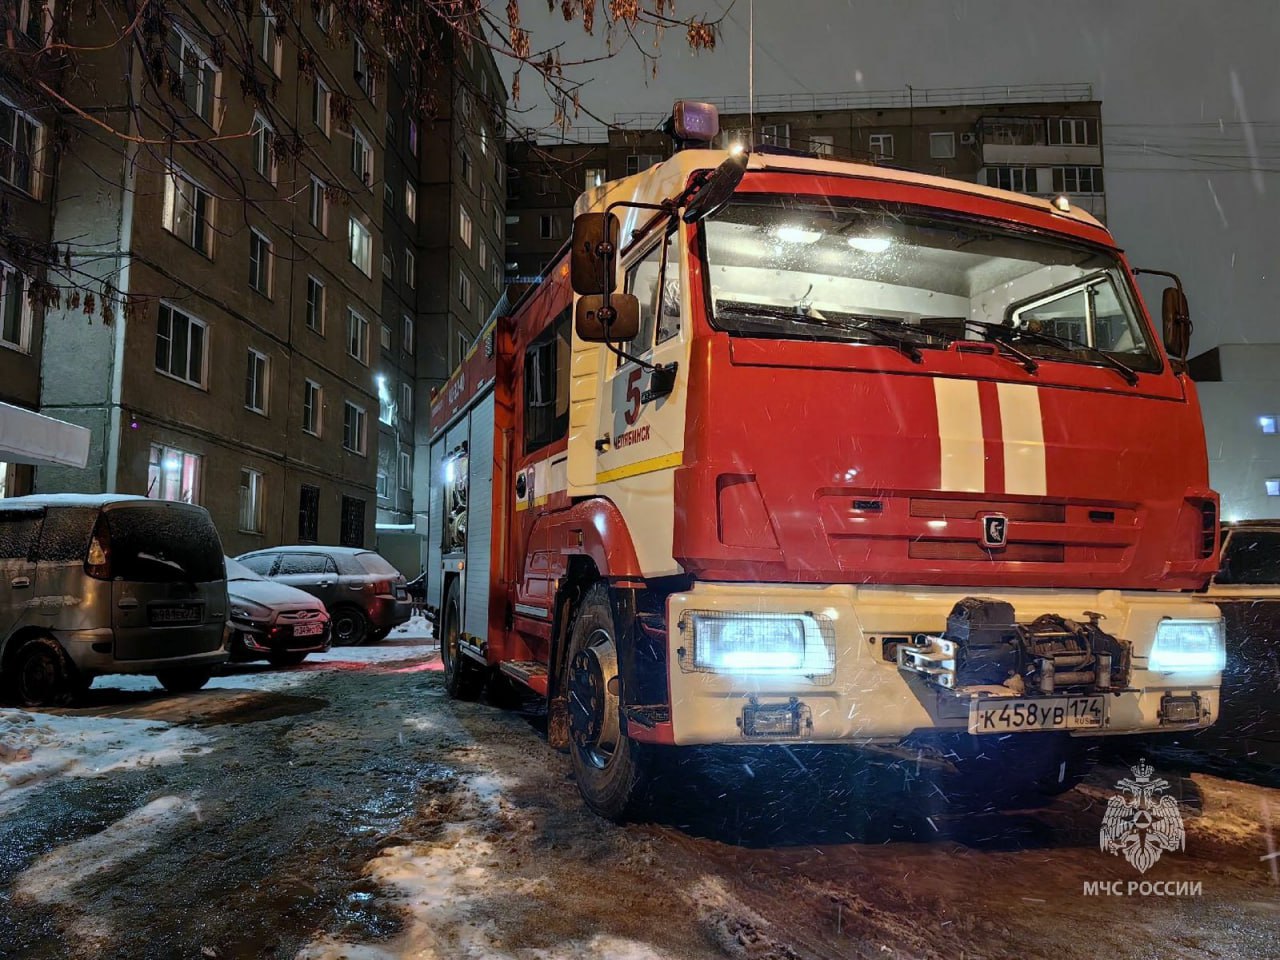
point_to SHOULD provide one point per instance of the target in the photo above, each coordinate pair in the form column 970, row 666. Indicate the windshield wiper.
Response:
column 998, row 331
column 814, row 318
column 1028, row 362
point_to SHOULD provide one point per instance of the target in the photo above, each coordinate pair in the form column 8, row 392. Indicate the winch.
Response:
column 984, row 646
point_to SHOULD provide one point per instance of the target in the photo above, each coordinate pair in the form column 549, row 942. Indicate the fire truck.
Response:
column 782, row 449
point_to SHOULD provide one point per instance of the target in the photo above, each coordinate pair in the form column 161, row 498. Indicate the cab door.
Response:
column 640, row 439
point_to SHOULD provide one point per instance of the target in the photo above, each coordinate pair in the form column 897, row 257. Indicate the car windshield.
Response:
column 238, row 571
column 850, row 271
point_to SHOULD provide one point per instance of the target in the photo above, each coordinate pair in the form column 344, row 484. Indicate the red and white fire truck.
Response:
column 782, row 449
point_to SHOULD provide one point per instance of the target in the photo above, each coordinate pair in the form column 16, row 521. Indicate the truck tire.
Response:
column 464, row 679
column 40, row 674
column 611, row 769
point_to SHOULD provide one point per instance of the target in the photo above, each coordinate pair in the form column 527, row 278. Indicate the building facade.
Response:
column 1044, row 140
column 225, row 201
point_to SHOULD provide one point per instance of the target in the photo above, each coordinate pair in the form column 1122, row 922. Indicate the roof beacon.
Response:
column 693, row 124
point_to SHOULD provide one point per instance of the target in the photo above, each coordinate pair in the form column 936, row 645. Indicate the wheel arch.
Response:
column 16, row 640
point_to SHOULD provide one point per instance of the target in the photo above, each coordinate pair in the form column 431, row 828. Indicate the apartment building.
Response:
column 1040, row 139
column 234, row 364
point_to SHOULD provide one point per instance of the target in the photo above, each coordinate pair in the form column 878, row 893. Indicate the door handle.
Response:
column 326, row 583
column 18, row 583
column 603, row 444
column 128, row 603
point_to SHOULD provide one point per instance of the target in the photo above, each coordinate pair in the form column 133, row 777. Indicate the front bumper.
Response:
column 386, row 612
column 262, row 639
column 867, row 699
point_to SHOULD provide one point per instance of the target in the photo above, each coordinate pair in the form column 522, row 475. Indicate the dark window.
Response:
column 309, row 514
column 546, row 385
column 1251, row 556
column 65, row 537
column 375, row 565
column 260, row 564
column 295, row 563
column 352, row 532
column 19, row 531
column 162, row 543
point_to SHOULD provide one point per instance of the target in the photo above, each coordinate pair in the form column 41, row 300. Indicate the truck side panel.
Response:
column 435, row 526
column 475, row 617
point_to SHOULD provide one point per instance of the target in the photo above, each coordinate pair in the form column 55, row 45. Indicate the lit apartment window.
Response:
column 1077, row 180
column 256, row 380
column 1273, row 488
column 495, row 273
column 1076, row 131
column 484, row 140
column 596, row 177
column 880, row 144
column 194, row 74
column 272, row 48
column 406, row 401
column 466, row 167
column 388, row 270
column 250, row 501
column 410, row 202
column 188, row 212
column 15, row 310
column 464, row 290
column 1267, row 424
column 353, row 427
column 20, row 143
column 942, row 146
column 315, row 305
column 776, row 134
column 180, row 341
column 406, row 334
column 320, row 105
column 361, row 157
column 362, row 71
column 311, row 399
column 824, row 145
column 319, row 206
column 463, row 344
column 385, row 413
column 410, row 269
column 1018, row 179
column 497, row 166
column 384, row 486
column 413, row 137
column 173, row 474
column 357, row 336
column 497, row 221
column 261, row 264
column 482, row 254
column 360, row 246
column 406, row 471
column 384, row 338
column 464, row 226
column 264, row 160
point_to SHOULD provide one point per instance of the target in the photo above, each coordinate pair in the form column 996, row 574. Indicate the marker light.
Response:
column 735, row 149
column 1062, row 203
column 1188, row 646
column 797, row 235
column 870, row 244
column 760, row 643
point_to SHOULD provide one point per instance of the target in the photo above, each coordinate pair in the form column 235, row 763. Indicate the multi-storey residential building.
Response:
column 1044, row 140
column 224, row 189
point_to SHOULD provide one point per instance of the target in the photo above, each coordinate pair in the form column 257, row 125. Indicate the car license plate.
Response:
column 1049, row 713
column 308, row 629
column 176, row 613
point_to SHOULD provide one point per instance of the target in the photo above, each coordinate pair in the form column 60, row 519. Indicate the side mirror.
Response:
column 592, row 252
column 1177, row 322
column 717, row 189
column 604, row 317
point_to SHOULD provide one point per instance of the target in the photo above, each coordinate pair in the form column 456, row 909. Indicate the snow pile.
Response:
column 35, row 748
column 416, row 627
column 452, row 885
column 55, row 878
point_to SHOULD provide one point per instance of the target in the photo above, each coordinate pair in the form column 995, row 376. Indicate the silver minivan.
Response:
column 100, row 584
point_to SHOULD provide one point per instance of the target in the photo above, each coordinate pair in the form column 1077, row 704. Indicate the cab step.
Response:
column 532, row 674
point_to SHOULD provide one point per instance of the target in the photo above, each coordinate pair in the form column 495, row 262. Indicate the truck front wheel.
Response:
column 463, row 677
column 611, row 769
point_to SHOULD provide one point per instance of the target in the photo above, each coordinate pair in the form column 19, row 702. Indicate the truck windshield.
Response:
column 826, row 270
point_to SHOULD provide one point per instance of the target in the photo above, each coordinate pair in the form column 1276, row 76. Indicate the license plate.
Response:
column 1049, row 713
column 308, row 629
column 178, row 613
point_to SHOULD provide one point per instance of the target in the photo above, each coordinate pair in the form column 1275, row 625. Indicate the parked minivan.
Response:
column 101, row 584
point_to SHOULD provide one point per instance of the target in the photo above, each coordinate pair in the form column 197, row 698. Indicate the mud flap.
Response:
column 558, row 723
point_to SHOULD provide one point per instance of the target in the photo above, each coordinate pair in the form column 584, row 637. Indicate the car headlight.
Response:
column 1186, row 646
column 243, row 610
column 760, row 643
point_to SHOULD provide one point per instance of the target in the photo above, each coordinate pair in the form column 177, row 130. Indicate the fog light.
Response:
column 763, row 643
column 1188, row 646
column 1179, row 709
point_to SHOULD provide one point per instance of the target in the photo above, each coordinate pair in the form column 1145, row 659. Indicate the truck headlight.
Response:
column 1188, row 646
column 759, row 643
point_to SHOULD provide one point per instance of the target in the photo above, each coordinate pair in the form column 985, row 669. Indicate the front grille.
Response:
column 939, row 508
column 1208, row 528
column 299, row 616
column 968, row 550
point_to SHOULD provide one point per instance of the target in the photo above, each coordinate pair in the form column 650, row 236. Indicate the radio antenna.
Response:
column 751, row 73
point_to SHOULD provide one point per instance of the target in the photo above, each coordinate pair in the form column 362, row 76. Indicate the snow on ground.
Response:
column 448, row 884
column 35, row 748
column 416, row 627
column 54, row 878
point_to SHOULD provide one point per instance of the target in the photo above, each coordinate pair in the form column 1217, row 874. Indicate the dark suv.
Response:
column 365, row 595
